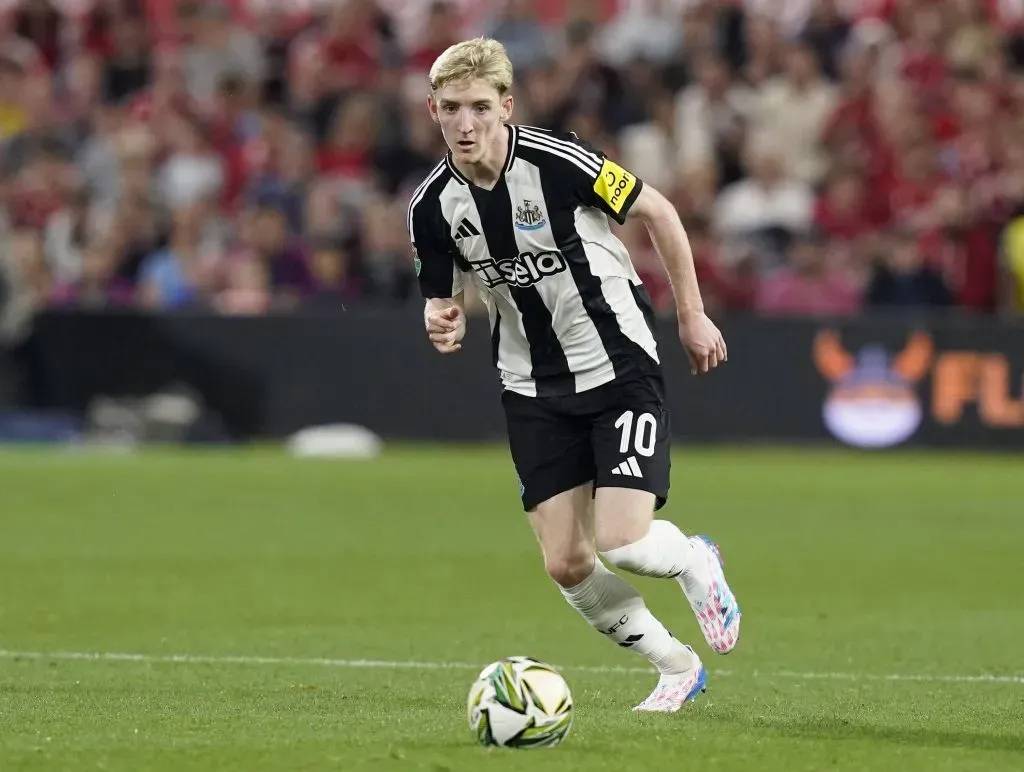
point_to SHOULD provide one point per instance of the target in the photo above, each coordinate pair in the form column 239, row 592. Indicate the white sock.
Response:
column 664, row 552
column 617, row 611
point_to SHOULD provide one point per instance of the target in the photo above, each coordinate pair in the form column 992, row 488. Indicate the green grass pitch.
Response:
column 324, row 615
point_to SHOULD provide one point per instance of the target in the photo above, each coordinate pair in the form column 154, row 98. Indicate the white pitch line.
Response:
column 378, row 664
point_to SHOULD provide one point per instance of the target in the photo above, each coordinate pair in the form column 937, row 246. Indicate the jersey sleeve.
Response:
column 437, row 272
column 598, row 181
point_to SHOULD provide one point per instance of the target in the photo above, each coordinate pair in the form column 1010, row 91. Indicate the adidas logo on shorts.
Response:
column 629, row 468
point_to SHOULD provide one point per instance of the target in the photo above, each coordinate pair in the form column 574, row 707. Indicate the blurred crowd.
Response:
column 826, row 156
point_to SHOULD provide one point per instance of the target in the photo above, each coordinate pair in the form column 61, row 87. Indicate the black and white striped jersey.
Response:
column 567, row 310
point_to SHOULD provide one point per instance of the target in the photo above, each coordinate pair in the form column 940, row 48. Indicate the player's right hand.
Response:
column 445, row 329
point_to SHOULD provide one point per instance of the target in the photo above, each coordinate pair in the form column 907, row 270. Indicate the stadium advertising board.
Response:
column 879, row 398
column 874, row 383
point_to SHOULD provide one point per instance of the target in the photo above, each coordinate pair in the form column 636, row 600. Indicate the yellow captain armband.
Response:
column 614, row 184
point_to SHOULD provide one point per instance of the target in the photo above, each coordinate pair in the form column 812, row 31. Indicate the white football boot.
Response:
column 674, row 691
column 713, row 603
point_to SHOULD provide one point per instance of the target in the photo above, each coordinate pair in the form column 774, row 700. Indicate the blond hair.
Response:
column 482, row 58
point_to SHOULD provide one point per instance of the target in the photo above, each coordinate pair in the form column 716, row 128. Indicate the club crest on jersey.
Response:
column 529, row 217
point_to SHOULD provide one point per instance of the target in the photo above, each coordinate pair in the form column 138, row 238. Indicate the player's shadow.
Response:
column 838, row 728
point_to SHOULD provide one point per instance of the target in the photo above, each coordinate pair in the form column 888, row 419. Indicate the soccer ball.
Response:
column 518, row 702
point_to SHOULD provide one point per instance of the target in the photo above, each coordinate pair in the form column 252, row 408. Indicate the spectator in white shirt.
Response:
column 763, row 211
column 792, row 110
column 711, row 115
column 649, row 148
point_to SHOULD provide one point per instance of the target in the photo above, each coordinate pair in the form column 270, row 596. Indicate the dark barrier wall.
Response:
column 872, row 383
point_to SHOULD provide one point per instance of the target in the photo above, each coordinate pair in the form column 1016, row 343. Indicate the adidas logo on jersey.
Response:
column 629, row 468
column 466, row 229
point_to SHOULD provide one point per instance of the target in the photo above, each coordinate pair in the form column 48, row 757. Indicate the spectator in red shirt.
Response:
column 853, row 135
column 442, row 23
column 348, row 151
column 725, row 288
column 843, row 210
column 915, row 185
column 351, row 47
column 922, row 60
column 808, row 285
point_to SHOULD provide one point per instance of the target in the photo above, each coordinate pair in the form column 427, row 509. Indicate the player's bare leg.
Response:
column 630, row 538
column 564, row 528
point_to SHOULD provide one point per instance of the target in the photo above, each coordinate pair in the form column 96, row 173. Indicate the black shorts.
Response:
column 616, row 435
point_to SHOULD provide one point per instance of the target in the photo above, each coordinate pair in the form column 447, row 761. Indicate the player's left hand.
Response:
column 702, row 341
column 446, row 329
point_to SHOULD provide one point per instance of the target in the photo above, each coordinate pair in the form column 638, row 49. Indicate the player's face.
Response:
column 472, row 116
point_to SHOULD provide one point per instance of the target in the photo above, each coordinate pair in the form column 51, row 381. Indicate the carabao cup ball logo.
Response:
column 873, row 402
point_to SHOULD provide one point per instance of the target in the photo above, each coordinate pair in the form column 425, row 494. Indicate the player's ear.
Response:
column 432, row 107
column 506, row 108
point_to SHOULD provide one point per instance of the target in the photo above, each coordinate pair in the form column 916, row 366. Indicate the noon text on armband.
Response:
column 523, row 270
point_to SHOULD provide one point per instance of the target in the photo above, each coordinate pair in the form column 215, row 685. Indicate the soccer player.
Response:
column 523, row 213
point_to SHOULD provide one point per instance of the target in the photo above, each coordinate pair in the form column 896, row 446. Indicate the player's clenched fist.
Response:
column 445, row 329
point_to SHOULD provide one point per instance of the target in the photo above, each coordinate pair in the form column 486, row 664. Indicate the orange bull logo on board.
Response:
column 875, row 401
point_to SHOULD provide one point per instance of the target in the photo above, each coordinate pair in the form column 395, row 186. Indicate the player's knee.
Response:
column 623, row 517
column 613, row 540
column 612, row 533
column 569, row 568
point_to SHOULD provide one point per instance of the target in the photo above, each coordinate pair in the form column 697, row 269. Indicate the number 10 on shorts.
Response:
column 641, row 435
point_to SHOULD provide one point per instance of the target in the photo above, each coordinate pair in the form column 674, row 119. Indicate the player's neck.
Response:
column 487, row 171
